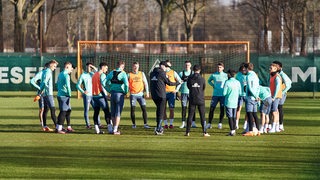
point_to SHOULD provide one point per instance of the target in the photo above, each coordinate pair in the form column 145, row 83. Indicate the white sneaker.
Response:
column 220, row 126
column 182, row 125
column 156, row 132
column 261, row 130
column 281, row 127
column 277, row 128
column 273, row 130
column 208, row 126
column 146, row 126
column 206, row 135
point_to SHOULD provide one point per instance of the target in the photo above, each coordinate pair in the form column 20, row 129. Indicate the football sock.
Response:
column 68, row 117
column 221, row 114
column 132, row 114
column 250, row 119
column 53, row 115
column 159, row 124
column 144, row 114
column 44, row 117
column 234, row 123
column 171, row 121
column 59, row 127
column 96, row 127
column 115, row 129
column 204, row 124
column 256, row 119
column 184, row 113
column 165, row 122
column 280, row 113
column 61, row 117
column 211, row 114
column 230, row 123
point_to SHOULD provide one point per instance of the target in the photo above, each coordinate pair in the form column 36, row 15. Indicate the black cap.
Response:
column 164, row 63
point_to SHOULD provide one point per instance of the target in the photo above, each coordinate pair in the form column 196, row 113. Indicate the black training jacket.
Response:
column 158, row 81
column 196, row 84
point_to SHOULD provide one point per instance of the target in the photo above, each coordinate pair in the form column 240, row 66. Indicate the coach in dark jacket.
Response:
column 158, row 81
column 196, row 84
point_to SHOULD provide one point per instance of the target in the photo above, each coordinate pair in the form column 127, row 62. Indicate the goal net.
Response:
column 149, row 53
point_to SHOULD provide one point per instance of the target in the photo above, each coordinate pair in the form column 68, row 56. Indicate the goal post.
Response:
column 149, row 53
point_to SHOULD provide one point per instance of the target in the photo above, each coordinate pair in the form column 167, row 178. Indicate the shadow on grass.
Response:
column 154, row 160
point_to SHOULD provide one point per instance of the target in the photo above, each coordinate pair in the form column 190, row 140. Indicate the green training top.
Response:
column 46, row 86
column 35, row 80
column 252, row 89
column 183, row 88
column 264, row 92
column 85, row 79
column 218, row 82
column 285, row 80
column 231, row 91
column 63, row 82
column 118, row 87
column 242, row 78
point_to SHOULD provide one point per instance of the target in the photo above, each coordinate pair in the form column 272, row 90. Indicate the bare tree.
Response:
column 264, row 8
column 54, row 8
column 293, row 11
column 166, row 8
column 23, row 12
column 191, row 9
column 109, row 8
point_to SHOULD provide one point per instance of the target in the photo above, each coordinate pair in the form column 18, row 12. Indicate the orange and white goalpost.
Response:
column 150, row 53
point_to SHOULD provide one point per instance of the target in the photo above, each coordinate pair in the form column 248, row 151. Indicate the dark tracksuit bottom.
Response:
column 191, row 113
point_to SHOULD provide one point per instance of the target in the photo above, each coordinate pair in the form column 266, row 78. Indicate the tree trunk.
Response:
column 265, row 34
column 291, row 41
column 44, row 43
column 164, row 28
column 303, row 51
column 189, row 33
column 20, row 30
column 109, row 25
column 1, row 28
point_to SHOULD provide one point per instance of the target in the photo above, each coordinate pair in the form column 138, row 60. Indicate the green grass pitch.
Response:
column 28, row 153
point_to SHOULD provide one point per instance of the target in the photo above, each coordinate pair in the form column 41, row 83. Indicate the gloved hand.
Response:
column 36, row 98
